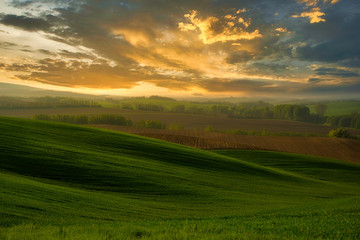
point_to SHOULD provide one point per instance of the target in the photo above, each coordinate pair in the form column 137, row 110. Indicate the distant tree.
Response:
column 161, row 98
column 209, row 128
column 292, row 112
column 127, row 106
column 149, row 107
column 300, row 113
column 179, row 109
column 345, row 121
column 320, row 109
column 339, row 133
column 352, row 120
column 194, row 110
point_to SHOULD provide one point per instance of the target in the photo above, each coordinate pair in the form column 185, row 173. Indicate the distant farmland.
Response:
column 189, row 121
column 344, row 149
column 193, row 134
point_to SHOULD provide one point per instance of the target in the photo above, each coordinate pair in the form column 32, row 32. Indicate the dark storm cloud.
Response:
column 19, row 3
column 239, row 57
column 270, row 67
column 76, row 55
column 74, row 72
column 243, row 85
column 316, row 80
column 335, row 40
column 345, row 88
column 26, row 23
column 336, row 72
column 315, row 86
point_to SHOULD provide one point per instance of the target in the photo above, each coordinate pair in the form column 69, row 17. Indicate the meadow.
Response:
column 189, row 121
column 63, row 181
column 339, row 107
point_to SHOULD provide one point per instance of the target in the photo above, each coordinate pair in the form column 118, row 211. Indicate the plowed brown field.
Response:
column 189, row 121
column 343, row 149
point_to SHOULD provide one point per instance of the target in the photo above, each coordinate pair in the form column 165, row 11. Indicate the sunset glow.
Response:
column 183, row 48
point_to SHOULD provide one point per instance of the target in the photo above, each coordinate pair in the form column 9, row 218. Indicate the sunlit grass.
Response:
column 61, row 181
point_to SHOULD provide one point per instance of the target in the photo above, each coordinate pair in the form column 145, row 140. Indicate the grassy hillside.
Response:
column 62, row 181
column 338, row 148
column 339, row 108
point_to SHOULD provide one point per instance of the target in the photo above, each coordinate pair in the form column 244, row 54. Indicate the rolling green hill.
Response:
column 339, row 108
column 61, row 181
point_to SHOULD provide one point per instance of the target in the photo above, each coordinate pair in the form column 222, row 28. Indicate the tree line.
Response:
column 257, row 110
column 45, row 102
column 351, row 121
column 111, row 119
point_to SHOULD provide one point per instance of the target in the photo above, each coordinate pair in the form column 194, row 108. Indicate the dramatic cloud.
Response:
column 336, row 72
column 26, row 23
column 205, row 47
column 82, row 74
column 283, row 30
column 313, row 10
column 227, row 28
column 315, row 15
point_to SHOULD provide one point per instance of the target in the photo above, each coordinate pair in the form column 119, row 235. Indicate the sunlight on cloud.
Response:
column 134, row 37
column 213, row 29
column 332, row 1
column 313, row 10
column 159, row 49
column 284, row 30
column 317, row 2
column 310, row 2
column 315, row 15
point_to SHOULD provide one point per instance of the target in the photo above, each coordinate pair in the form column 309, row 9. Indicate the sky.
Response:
column 211, row 48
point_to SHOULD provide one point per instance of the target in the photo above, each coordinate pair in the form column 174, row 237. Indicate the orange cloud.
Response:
column 309, row 2
column 313, row 10
column 314, row 3
column 213, row 29
column 315, row 15
column 283, row 30
column 332, row 1
column 134, row 37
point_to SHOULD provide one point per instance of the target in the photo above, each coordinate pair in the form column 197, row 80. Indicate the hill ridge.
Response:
column 49, row 170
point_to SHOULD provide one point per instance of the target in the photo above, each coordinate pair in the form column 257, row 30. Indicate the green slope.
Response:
column 339, row 108
column 52, row 173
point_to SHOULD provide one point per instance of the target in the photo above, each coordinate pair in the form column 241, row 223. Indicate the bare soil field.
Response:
column 343, row 149
column 189, row 121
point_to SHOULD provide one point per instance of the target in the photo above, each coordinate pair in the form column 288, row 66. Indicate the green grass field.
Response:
column 167, row 104
column 339, row 108
column 61, row 181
